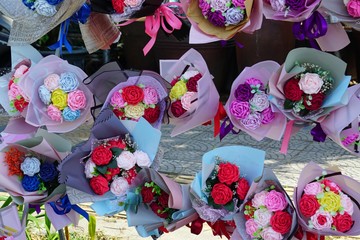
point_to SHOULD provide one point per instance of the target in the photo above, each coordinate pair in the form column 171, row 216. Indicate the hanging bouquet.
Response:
column 248, row 106
column 47, row 8
column 327, row 202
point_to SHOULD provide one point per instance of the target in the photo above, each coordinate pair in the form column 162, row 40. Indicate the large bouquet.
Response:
column 248, row 106
column 327, row 202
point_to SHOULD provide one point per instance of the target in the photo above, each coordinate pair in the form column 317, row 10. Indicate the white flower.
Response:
column 90, row 168
column 262, row 217
column 142, row 159
column 119, row 186
column 189, row 74
column 126, row 160
column 310, row 83
column 30, row 166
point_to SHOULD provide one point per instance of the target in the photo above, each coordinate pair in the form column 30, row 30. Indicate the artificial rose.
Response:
column 178, row 90
column 259, row 199
column 174, row 81
column 150, row 96
column 68, row 82
column 254, row 82
column 99, row 185
column 310, row 83
column 278, row 5
column 132, row 94
column 30, row 184
column 44, row 95
column 51, row 82
column 220, row 5
column 221, row 194
column 240, row 110
column 331, row 186
column 330, row 201
column 292, row 90
column 308, row 205
column 20, row 104
column 259, row 102
column 313, row 188
column 14, row 91
column 281, row 222
column 118, row 5
column 251, row 227
column 152, row 114
column 70, row 115
column 118, row 113
column 119, row 186
column 262, row 217
column 191, row 84
column 158, row 210
column 147, row 194
column 239, row 3
column 101, row 155
column 204, row 6
column 117, row 100
column 90, row 168
column 176, row 108
column 54, row 113
column 234, row 16
column 252, row 121
column 59, row 99
column 347, row 204
column 243, row 92
column 48, row 172
column 77, row 100
column 134, row 111
column 322, row 220
column 242, row 188
column 126, row 160
column 353, row 8
column 117, row 144
column 216, row 18
column 267, row 116
column 186, row 100
column 30, row 166
column 133, row 3
column 296, row 5
column 228, row 173
column 315, row 102
column 21, row 70
column 343, row 222
column 269, row 233
column 142, row 159
column 163, row 199
column 111, row 172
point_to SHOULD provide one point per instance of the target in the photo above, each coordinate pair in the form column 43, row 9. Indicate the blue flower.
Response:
column 68, row 82
column 44, row 94
column 30, row 184
column 30, row 166
column 48, row 172
column 70, row 115
column 29, row 3
column 54, row 2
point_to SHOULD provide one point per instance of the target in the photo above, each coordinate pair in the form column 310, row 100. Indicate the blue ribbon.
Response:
column 318, row 133
column 313, row 27
column 64, row 28
column 63, row 206
column 226, row 128
column 82, row 14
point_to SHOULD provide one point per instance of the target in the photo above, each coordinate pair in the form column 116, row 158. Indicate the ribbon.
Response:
column 219, row 229
column 82, row 14
column 226, row 128
column 313, row 27
column 196, row 226
column 36, row 207
column 318, row 133
column 64, row 28
column 287, row 136
column 314, row 236
column 63, row 206
column 220, row 115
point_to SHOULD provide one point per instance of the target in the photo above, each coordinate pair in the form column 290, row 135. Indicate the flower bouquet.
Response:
column 248, row 106
column 268, row 212
column 327, row 202
column 158, row 204
column 193, row 95
column 219, row 190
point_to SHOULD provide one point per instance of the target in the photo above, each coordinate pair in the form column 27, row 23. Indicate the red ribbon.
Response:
column 220, row 115
column 219, row 229
column 314, row 236
column 196, row 226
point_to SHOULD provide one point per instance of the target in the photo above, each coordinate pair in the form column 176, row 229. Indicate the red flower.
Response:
column 101, row 155
column 174, row 81
column 132, row 94
column 177, row 109
column 10, row 82
column 281, row 222
column 117, row 144
column 228, row 173
column 343, row 223
column 243, row 188
column 118, row 113
column 331, row 185
column 130, row 174
column 13, row 159
column 20, row 104
column 250, row 210
column 308, row 205
column 152, row 114
column 118, row 5
column 292, row 90
column 316, row 101
column 158, row 210
column 192, row 83
column 99, row 185
column 221, row 194
column 111, row 172
column 163, row 199
column 147, row 194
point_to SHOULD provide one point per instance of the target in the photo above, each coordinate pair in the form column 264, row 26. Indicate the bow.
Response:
column 63, row 206
column 64, row 28
column 220, row 115
column 226, row 127
column 318, row 133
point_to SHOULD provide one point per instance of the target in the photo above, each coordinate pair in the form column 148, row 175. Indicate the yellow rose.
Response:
column 134, row 112
column 178, row 90
column 331, row 202
column 59, row 99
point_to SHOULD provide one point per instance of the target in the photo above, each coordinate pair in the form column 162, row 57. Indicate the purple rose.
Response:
column 296, row 5
column 267, row 116
column 216, row 18
column 240, row 110
column 204, row 6
column 255, row 82
column 239, row 3
column 243, row 92
column 252, row 121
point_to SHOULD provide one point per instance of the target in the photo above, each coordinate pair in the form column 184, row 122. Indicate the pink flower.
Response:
column 77, row 100
column 251, row 227
column 186, row 100
column 117, row 100
column 347, row 204
column 259, row 199
column 219, row 5
column 270, row 234
column 51, row 82
column 353, row 8
column 142, row 159
column 313, row 188
column 119, row 186
column 240, row 110
column 252, row 121
column 150, row 96
column 21, row 70
column 14, row 91
column 239, row 3
column 132, row 3
column 259, row 102
column 310, row 83
column 54, row 113
column 126, row 160
column 89, row 168
column 275, row 201
column 267, row 116
column 322, row 220
column 262, row 217
column 278, row 5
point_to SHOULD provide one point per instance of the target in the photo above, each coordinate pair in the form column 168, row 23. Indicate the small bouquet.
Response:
column 46, row 8
column 327, row 202
column 248, row 106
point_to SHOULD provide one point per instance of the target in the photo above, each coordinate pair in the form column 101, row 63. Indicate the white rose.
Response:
column 89, row 168
column 259, row 199
column 262, row 217
column 134, row 112
column 126, row 160
column 310, row 83
column 142, row 159
column 270, row 233
column 119, row 186
column 30, row 166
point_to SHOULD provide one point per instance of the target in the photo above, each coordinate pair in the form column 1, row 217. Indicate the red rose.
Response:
column 228, row 173
column 192, row 83
column 158, row 210
column 177, row 109
column 132, row 94
column 174, row 81
column 118, row 113
column 331, row 185
column 316, row 101
column 343, row 223
column 292, row 90
column 20, row 104
column 111, row 172
column 99, row 185
column 147, row 194
column 221, row 194
column 308, row 205
column 117, row 144
column 281, row 222
column 249, row 210
column 118, row 5
column 163, row 199
column 152, row 114
column 101, row 155
column 243, row 188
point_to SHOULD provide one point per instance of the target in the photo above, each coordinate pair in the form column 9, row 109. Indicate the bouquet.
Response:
column 327, row 202
column 194, row 98
column 248, row 106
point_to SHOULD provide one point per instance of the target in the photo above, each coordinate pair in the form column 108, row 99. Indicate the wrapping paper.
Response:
column 9, row 217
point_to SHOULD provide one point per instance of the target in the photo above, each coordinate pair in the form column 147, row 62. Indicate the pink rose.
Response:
column 117, row 100
column 262, row 217
column 270, row 234
column 219, row 5
column 119, row 186
column 126, row 160
column 132, row 3
column 54, row 113
column 77, row 100
column 313, row 188
column 14, row 91
column 353, row 8
column 259, row 102
column 186, row 100
column 251, row 227
column 322, row 220
column 89, row 168
column 275, row 201
column 252, row 121
column 240, row 110
column 150, row 96
column 278, row 5
column 142, row 159
column 347, row 204
column 21, row 70
column 310, row 83
column 51, row 82
column 259, row 199
column 267, row 116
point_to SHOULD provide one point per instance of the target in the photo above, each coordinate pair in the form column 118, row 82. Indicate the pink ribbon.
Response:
column 287, row 135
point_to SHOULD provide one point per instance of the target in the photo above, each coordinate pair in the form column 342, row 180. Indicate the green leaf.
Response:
column 7, row 202
column 47, row 225
column 102, row 169
column 213, row 204
column 92, row 227
column 230, row 206
column 116, row 151
column 288, row 104
column 112, row 164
